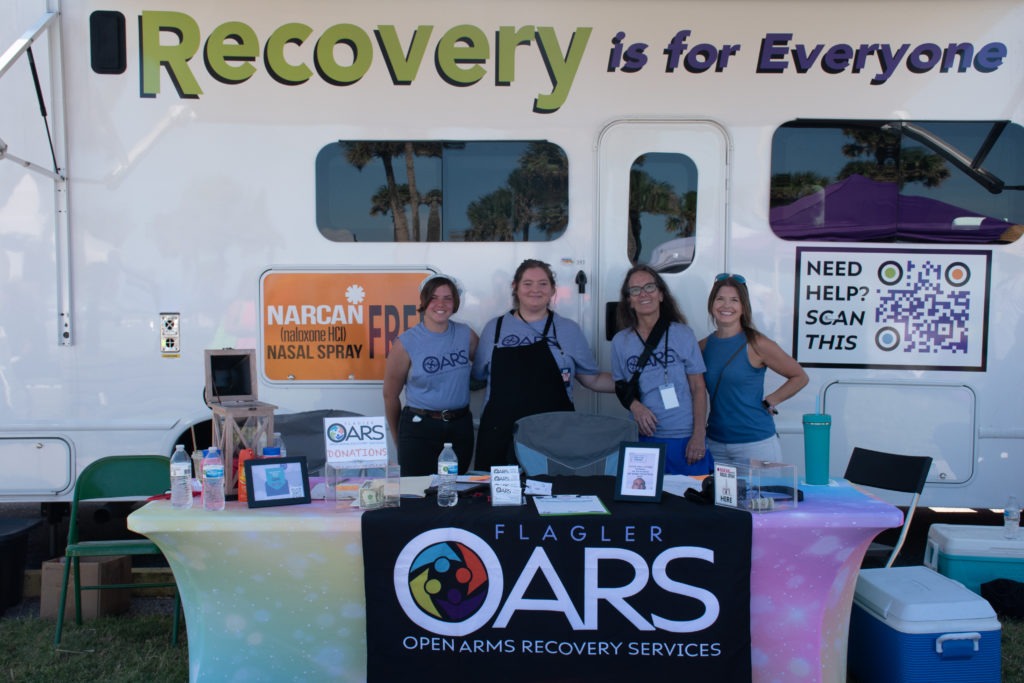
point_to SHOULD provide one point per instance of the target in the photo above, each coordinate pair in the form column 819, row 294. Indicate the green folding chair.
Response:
column 119, row 476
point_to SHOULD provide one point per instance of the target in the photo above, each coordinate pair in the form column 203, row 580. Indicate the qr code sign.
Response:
column 892, row 308
column 924, row 307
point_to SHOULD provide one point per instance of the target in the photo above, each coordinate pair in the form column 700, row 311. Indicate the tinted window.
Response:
column 914, row 181
column 662, row 211
column 463, row 191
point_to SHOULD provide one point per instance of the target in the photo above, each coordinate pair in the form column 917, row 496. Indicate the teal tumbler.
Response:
column 817, row 429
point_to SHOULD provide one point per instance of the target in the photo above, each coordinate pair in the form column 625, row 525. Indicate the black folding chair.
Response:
column 890, row 472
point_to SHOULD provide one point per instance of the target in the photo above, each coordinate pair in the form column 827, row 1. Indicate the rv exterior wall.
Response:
column 192, row 183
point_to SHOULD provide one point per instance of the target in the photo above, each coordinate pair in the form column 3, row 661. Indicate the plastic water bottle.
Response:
column 181, row 478
column 447, row 471
column 279, row 442
column 1011, row 518
column 213, row 479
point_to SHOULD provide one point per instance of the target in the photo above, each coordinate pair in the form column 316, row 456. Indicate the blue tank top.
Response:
column 736, row 413
column 439, row 375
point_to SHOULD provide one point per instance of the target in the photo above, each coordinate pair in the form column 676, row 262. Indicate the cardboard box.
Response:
column 913, row 625
column 112, row 569
column 973, row 554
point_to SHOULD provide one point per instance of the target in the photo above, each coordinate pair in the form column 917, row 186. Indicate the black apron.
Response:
column 525, row 380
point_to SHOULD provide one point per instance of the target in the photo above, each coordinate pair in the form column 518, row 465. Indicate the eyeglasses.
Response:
column 649, row 288
column 725, row 276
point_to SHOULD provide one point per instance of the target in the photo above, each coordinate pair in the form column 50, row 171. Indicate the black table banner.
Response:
column 504, row 594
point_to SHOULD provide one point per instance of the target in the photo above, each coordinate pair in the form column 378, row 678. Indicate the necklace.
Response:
column 539, row 317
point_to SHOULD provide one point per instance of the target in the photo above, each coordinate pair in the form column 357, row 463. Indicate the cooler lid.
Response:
column 975, row 540
column 919, row 594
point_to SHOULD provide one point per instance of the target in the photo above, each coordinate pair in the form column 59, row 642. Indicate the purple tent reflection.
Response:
column 860, row 209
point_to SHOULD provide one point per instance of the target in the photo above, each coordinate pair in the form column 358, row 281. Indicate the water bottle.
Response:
column 1011, row 518
column 181, row 478
column 213, row 479
column 279, row 442
column 447, row 471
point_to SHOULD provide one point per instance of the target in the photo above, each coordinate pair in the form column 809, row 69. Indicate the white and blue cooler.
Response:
column 973, row 554
column 913, row 625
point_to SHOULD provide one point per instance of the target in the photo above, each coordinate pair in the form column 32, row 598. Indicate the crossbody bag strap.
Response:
column 719, row 382
column 652, row 340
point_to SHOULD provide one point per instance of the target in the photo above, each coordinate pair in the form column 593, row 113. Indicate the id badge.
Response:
column 668, row 396
column 566, row 376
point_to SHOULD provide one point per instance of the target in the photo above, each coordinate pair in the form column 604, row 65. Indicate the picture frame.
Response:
column 641, row 472
column 276, row 481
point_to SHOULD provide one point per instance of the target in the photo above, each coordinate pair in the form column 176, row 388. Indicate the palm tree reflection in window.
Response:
column 395, row 198
column 664, row 192
column 535, row 195
column 489, row 191
column 903, row 181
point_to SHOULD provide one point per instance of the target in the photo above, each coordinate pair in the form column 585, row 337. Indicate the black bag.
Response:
column 629, row 390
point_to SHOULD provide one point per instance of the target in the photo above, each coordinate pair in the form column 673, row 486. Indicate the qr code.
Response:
column 923, row 307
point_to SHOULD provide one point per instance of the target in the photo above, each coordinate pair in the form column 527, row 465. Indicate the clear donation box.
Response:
column 755, row 485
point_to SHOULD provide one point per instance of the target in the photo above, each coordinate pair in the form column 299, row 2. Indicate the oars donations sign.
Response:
column 329, row 326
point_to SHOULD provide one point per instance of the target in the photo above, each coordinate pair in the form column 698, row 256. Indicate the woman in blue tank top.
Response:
column 432, row 362
column 737, row 356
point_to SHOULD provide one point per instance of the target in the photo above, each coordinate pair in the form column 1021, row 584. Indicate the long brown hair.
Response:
column 668, row 310
column 746, row 315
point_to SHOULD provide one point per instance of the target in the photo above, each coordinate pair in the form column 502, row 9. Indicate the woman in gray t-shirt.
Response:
column 432, row 363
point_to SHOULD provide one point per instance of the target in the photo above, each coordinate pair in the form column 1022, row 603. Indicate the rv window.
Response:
column 898, row 181
column 498, row 191
column 662, row 211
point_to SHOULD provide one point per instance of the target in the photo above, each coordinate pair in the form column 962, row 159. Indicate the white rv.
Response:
column 281, row 176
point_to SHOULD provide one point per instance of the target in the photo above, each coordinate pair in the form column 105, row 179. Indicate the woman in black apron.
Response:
column 529, row 370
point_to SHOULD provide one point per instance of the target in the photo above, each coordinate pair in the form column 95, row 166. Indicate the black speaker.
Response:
column 106, row 42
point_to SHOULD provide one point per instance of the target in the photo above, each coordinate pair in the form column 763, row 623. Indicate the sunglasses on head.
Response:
column 725, row 276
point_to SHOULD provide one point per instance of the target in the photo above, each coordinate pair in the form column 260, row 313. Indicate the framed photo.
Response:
column 641, row 472
column 276, row 481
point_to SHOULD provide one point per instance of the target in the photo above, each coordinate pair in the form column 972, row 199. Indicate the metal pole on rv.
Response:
column 4, row 154
column 58, row 148
column 22, row 46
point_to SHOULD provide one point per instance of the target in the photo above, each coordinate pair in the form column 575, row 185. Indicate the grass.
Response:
column 1013, row 650
column 116, row 649
column 138, row 648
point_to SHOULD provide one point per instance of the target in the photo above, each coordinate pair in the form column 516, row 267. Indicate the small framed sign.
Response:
column 641, row 472
column 276, row 481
